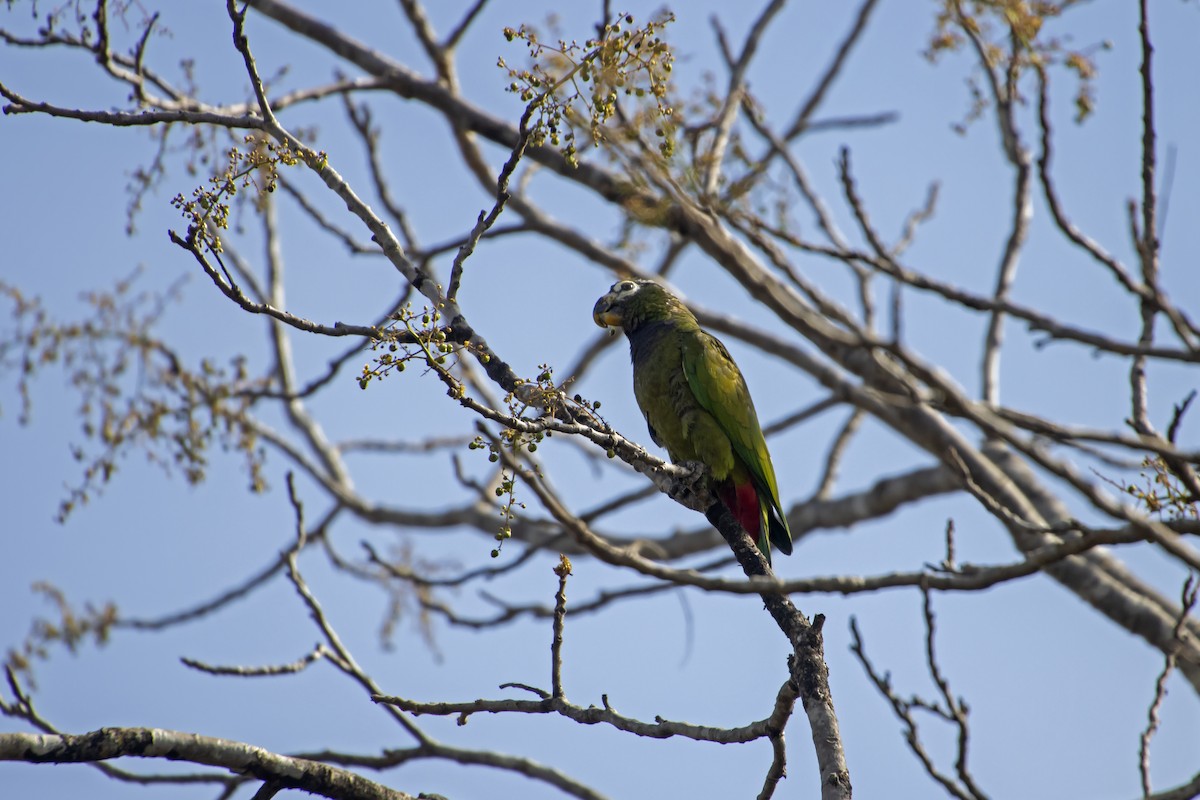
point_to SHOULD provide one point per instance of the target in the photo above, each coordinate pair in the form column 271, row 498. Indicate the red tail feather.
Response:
column 742, row 501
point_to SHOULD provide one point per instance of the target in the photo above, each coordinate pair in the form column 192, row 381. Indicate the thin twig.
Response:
column 560, row 612
column 1187, row 602
column 299, row 665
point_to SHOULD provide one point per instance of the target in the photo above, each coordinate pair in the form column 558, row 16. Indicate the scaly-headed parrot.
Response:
column 697, row 405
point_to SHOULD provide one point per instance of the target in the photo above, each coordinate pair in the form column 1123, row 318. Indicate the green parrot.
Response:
column 697, row 405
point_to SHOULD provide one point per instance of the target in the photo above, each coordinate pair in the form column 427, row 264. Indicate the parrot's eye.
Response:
column 627, row 286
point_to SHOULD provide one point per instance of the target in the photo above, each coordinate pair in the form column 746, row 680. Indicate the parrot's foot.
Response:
column 689, row 485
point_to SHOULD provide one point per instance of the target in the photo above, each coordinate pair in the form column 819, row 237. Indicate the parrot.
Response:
column 697, row 405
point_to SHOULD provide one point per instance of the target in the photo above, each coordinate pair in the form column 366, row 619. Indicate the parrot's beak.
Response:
column 604, row 315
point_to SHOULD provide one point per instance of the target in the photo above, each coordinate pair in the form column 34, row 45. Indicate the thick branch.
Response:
column 237, row 757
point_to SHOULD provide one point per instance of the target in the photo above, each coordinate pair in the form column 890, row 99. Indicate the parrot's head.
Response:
column 629, row 302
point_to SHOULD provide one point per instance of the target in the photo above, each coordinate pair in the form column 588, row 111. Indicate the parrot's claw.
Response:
column 691, row 489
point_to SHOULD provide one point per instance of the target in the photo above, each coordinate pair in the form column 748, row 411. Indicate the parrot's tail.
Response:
column 742, row 502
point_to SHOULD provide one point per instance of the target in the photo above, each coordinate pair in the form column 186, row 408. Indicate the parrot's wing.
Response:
column 720, row 389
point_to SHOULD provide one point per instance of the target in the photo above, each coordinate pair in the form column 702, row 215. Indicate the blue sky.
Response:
column 1059, row 695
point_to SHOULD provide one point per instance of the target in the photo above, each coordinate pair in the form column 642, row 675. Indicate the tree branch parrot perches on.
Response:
column 697, row 405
